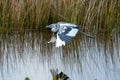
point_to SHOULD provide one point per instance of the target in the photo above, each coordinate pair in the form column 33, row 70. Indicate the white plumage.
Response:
column 59, row 42
column 73, row 32
column 62, row 32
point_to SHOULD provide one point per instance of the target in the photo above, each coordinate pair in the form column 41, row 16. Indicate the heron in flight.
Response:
column 63, row 32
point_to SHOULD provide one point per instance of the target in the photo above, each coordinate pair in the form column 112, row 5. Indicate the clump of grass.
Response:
column 93, row 15
column 27, row 78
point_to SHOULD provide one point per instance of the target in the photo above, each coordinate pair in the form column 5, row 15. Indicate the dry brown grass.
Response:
column 93, row 15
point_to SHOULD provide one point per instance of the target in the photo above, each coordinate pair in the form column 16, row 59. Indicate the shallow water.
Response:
column 29, row 55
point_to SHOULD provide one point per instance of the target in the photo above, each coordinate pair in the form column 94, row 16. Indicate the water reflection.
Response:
column 29, row 55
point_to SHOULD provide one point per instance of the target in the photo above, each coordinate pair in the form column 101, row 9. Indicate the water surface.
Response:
column 29, row 55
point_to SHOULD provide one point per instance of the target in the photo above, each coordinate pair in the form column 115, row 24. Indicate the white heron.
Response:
column 63, row 32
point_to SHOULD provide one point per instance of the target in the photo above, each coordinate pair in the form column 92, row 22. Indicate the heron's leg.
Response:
column 53, row 38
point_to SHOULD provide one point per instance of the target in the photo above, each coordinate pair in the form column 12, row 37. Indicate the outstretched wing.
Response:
column 67, row 32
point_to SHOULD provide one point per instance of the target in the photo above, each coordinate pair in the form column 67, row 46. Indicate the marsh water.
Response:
column 29, row 55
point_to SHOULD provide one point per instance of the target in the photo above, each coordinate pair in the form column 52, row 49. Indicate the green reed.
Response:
column 92, row 15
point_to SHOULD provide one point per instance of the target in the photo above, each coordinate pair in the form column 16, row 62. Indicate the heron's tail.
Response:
column 90, row 36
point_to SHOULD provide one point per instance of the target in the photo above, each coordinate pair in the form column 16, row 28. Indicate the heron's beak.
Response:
column 49, row 26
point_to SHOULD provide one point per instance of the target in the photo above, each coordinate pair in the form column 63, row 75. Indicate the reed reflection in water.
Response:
column 29, row 55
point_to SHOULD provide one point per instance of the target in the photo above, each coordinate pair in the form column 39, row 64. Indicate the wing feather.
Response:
column 66, row 33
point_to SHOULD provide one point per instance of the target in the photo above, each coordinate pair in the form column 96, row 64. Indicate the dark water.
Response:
column 29, row 55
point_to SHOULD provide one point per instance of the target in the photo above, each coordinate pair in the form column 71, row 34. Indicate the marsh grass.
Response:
column 93, row 15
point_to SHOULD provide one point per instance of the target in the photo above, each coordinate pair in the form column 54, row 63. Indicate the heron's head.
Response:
column 53, row 27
